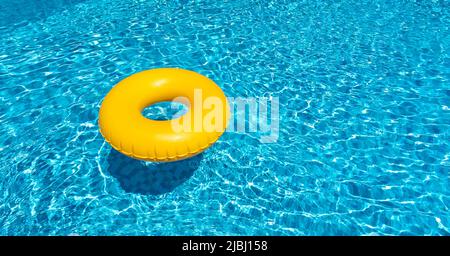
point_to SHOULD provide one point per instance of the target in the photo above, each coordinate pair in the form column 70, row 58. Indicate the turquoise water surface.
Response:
column 363, row 147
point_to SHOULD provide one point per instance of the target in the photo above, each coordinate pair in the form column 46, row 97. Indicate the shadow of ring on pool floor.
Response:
column 150, row 178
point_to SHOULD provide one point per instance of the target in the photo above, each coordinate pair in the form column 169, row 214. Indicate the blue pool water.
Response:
column 363, row 149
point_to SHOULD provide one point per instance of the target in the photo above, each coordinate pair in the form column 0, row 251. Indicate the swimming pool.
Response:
column 363, row 132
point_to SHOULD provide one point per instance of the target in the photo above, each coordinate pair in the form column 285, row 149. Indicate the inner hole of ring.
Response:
column 165, row 110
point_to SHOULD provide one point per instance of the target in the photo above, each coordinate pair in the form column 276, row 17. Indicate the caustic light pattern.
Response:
column 364, row 114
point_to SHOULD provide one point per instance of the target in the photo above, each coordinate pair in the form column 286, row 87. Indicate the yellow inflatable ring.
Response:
column 124, row 127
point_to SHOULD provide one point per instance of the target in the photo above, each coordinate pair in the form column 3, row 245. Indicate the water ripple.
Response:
column 364, row 118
